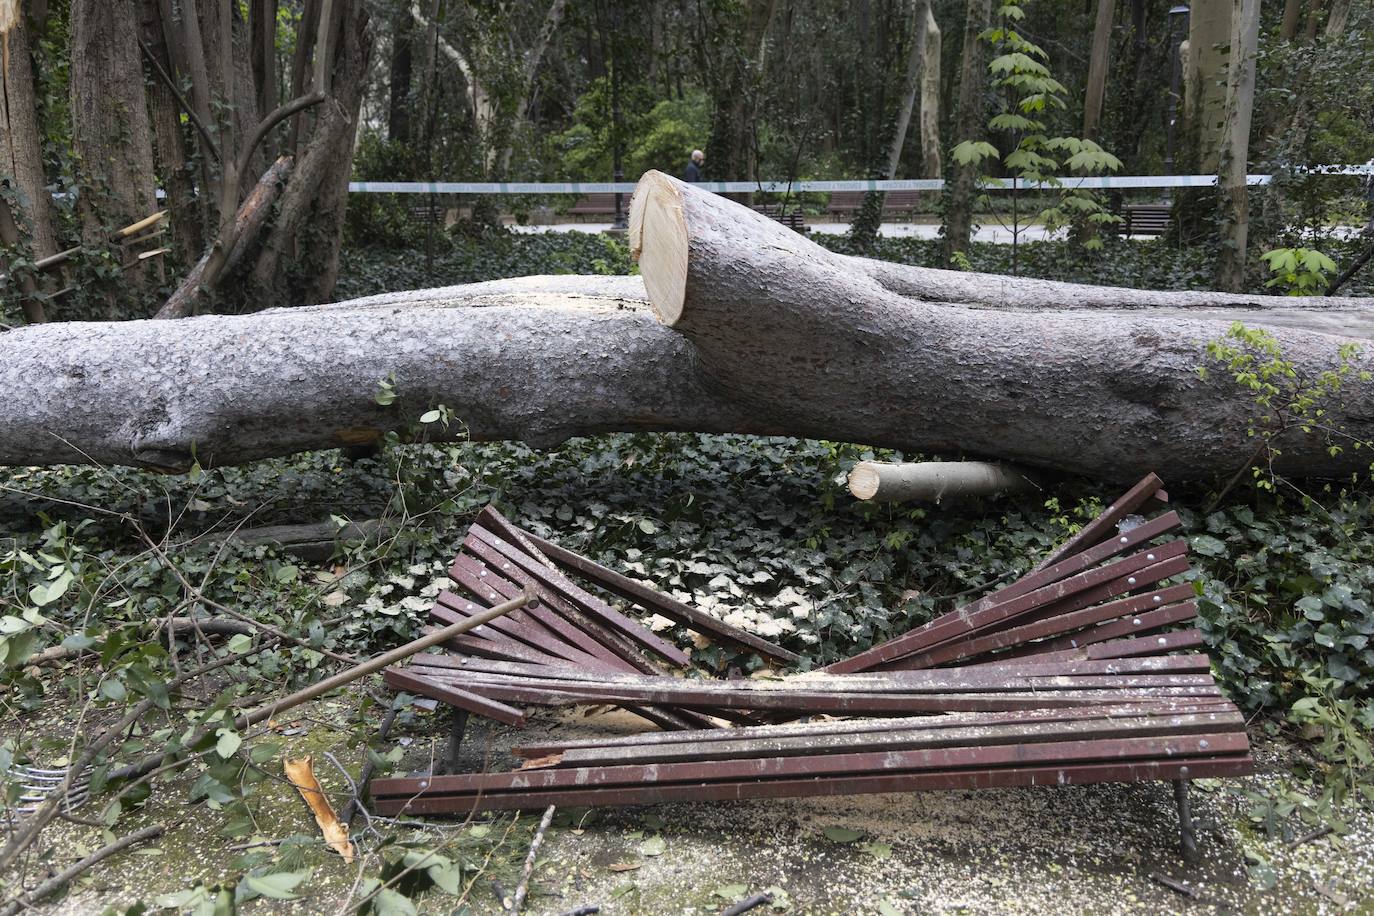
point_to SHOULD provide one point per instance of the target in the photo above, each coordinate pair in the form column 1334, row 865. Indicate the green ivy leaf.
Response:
column 229, row 742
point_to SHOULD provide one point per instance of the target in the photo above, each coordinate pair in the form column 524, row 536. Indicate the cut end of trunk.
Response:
column 864, row 481
column 658, row 241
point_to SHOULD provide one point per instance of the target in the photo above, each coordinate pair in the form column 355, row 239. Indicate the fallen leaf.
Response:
column 624, row 866
column 730, row 891
column 301, row 774
column 653, row 846
column 877, row 850
column 842, row 834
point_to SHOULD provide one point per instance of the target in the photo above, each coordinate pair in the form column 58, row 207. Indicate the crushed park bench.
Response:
column 1084, row 670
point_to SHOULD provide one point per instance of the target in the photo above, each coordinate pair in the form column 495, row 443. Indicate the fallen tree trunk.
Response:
column 747, row 327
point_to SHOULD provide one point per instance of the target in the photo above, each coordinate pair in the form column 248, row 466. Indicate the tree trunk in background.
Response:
column 21, row 146
column 735, row 95
column 262, row 29
column 552, row 19
column 310, row 218
column 1235, row 149
column 169, row 145
column 1204, row 82
column 111, row 133
column 969, row 124
column 1314, row 18
column 402, row 28
column 1292, row 13
column 931, row 154
column 865, row 227
column 1097, row 69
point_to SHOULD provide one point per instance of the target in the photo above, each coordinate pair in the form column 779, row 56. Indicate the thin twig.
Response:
column 523, row 887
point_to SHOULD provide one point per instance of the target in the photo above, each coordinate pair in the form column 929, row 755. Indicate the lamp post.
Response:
column 1177, row 15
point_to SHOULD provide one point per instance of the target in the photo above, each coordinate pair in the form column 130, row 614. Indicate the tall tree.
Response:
column 21, row 150
column 1097, row 68
column 961, row 186
column 931, row 157
column 111, row 132
column 1204, row 82
column 739, row 47
column 1235, row 147
column 865, row 227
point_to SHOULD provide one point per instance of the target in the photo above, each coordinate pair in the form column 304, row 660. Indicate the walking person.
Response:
column 693, row 171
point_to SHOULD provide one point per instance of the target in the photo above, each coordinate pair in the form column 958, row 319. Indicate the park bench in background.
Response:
column 1144, row 219
column 904, row 204
column 1069, row 675
column 595, row 205
column 791, row 218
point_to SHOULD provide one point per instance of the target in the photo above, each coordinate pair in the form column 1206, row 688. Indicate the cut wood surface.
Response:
column 746, row 327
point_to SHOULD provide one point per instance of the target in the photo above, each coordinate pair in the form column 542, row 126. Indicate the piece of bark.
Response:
column 301, row 773
column 934, row 481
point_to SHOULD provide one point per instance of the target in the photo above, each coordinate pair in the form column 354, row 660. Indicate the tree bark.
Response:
column 111, row 133
column 1235, row 150
column 169, row 142
column 10, row 236
column 931, row 155
column 1097, row 68
column 399, row 77
column 968, row 125
column 746, row 327
column 21, row 144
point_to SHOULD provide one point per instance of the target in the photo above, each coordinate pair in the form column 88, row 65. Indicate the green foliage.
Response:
column 1298, row 271
column 1028, row 96
column 654, row 135
column 1285, row 399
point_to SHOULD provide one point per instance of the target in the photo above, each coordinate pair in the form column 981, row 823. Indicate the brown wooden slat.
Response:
column 695, row 620
column 960, row 623
column 904, row 739
column 589, row 603
column 1159, row 709
column 649, row 794
column 401, row 679
column 1105, row 524
column 1086, row 559
column 1059, row 753
column 1044, row 627
column 612, row 641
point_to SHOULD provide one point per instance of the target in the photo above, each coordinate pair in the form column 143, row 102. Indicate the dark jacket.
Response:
column 693, row 172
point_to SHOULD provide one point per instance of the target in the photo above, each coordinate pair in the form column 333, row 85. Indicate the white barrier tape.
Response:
column 779, row 187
